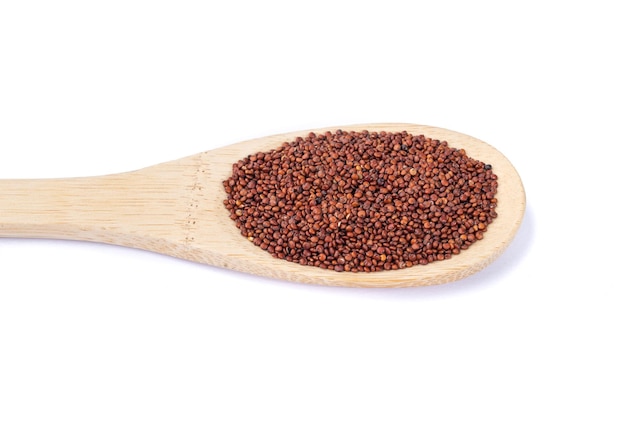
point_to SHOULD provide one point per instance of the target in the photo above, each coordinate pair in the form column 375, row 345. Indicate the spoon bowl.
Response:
column 176, row 208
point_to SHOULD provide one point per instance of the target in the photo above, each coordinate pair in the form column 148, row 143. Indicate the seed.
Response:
column 362, row 201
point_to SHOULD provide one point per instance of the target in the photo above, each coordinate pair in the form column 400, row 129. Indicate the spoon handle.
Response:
column 132, row 209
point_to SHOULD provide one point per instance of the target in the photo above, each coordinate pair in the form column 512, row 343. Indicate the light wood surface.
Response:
column 176, row 208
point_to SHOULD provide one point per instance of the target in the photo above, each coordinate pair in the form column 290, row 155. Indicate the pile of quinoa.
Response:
column 362, row 201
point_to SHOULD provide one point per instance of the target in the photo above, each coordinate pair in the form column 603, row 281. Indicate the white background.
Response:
column 98, row 336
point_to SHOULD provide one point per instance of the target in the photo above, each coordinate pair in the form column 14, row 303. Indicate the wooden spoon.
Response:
column 176, row 208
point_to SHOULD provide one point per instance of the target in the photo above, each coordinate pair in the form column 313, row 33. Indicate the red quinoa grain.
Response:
column 362, row 201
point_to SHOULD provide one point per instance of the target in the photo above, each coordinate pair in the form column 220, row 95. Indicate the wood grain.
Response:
column 176, row 208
